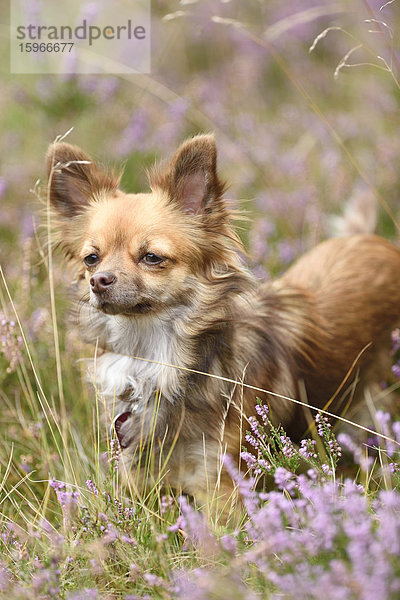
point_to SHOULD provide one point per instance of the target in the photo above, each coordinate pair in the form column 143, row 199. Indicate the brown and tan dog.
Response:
column 162, row 280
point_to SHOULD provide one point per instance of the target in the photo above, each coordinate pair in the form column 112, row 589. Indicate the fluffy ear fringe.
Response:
column 74, row 179
column 190, row 178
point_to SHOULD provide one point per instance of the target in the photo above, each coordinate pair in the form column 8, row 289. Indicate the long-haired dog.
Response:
column 168, row 301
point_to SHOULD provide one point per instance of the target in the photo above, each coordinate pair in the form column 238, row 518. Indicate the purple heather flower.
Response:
column 135, row 133
column 255, row 426
column 259, row 239
column 284, row 479
column 67, row 499
column 92, row 487
column 196, row 526
column 111, row 536
column 384, row 421
column 396, row 430
column 359, row 456
column 326, row 469
column 3, row 186
column 115, row 452
column 263, row 411
column 5, row 578
column 89, row 11
column 396, row 340
column 128, row 540
column 178, row 108
column 249, row 458
column 307, row 449
column 85, row 594
column 154, row 580
column 261, row 462
column 288, row 449
column 57, row 485
column 383, row 418
column 229, row 543
column 245, row 486
column 10, row 343
column 252, row 441
column 37, row 321
column 180, row 523
column 334, row 448
column 167, row 502
column 287, row 251
column 322, row 423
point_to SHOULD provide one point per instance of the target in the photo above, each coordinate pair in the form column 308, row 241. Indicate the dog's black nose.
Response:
column 100, row 282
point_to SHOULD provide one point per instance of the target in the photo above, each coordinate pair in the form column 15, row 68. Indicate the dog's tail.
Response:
column 360, row 214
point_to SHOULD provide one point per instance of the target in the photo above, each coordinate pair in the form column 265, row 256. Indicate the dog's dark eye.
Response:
column 152, row 259
column 91, row 260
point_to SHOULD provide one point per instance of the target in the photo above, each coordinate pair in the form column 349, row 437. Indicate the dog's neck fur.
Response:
column 136, row 353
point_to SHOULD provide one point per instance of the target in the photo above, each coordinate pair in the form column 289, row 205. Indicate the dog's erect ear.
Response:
column 74, row 179
column 191, row 178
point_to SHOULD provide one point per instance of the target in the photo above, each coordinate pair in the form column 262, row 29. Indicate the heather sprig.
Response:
column 396, row 352
column 324, row 430
column 269, row 448
column 10, row 343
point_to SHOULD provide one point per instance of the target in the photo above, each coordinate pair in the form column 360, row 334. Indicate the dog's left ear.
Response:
column 190, row 179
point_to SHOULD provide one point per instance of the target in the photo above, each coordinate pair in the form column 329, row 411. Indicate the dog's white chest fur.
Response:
column 136, row 365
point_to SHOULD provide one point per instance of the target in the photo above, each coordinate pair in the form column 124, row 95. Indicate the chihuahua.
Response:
column 188, row 338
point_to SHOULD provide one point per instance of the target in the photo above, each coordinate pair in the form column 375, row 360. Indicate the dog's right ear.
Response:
column 75, row 180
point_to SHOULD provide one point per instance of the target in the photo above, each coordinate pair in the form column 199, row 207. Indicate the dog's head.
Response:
column 141, row 252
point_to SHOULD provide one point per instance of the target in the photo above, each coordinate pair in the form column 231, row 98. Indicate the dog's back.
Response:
column 353, row 287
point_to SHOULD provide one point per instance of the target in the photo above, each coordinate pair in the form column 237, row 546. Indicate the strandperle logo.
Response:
column 82, row 38
column 84, row 31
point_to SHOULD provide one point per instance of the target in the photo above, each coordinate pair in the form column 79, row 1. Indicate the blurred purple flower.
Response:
column 359, row 456
column 31, row 9
column 89, row 11
column 3, row 186
column 134, row 134
column 178, row 108
column 27, row 226
column 288, row 250
column 180, row 523
column 5, row 578
column 11, row 343
column 284, row 479
column 229, row 543
column 85, row 594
